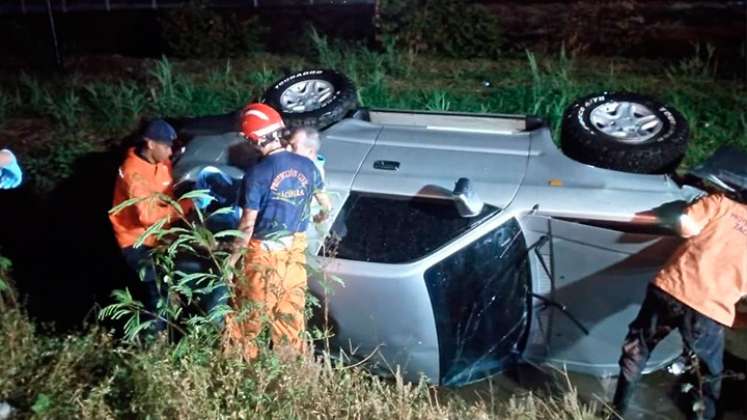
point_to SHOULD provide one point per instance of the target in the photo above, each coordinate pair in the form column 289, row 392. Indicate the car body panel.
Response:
column 229, row 152
column 367, row 316
column 562, row 187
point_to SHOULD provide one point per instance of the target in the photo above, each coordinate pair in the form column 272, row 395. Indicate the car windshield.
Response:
column 481, row 299
column 396, row 229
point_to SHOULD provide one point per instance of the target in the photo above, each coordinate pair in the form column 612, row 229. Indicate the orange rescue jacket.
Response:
column 709, row 271
column 139, row 178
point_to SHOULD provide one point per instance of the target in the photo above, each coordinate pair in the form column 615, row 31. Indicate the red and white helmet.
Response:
column 260, row 122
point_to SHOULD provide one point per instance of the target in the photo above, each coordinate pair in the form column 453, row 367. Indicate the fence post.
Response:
column 53, row 29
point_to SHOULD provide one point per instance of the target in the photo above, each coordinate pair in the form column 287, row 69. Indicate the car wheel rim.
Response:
column 627, row 122
column 306, row 96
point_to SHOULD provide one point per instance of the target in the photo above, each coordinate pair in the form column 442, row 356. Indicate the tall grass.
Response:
column 542, row 85
column 92, row 377
column 116, row 107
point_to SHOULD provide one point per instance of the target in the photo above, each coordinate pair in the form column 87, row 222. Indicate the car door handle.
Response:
column 386, row 165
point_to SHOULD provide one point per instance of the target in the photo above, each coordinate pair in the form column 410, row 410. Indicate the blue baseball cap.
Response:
column 160, row 131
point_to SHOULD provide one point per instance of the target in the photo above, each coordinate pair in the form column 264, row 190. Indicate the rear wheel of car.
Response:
column 313, row 98
column 625, row 132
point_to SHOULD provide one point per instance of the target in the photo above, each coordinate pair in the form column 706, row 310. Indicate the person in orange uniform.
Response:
column 696, row 292
column 145, row 173
column 277, row 193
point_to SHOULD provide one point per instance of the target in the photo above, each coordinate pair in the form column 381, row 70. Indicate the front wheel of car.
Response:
column 624, row 131
column 312, row 98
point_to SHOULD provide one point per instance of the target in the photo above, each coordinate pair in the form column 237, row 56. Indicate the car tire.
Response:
column 625, row 132
column 313, row 98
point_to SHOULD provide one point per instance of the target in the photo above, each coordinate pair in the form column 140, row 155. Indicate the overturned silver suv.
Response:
column 466, row 243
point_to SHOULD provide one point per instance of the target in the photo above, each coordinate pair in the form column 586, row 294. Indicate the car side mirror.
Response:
column 467, row 202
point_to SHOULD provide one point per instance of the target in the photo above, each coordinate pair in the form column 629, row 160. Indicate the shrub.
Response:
column 5, row 107
column 456, row 28
column 197, row 31
column 603, row 26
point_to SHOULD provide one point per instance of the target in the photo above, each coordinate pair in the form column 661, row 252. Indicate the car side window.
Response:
column 396, row 229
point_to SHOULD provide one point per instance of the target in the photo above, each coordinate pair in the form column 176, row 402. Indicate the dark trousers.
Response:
column 140, row 262
column 659, row 315
column 205, row 302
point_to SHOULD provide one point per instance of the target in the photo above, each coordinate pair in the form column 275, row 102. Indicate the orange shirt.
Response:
column 139, row 178
column 709, row 271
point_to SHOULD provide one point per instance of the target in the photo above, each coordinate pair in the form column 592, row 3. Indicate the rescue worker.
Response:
column 145, row 173
column 10, row 173
column 305, row 141
column 696, row 292
column 275, row 201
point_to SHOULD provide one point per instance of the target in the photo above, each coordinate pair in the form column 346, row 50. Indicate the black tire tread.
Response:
column 590, row 147
column 345, row 102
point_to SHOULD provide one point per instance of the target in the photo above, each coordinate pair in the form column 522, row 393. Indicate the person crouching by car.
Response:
column 144, row 174
column 696, row 292
column 10, row 173
column 275, row 201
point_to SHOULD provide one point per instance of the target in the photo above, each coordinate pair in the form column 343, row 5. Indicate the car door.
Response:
column 599, row 275
column 416, row 161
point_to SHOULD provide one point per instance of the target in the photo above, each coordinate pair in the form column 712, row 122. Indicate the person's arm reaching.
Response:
column 152, row 208
column 326, row 206
column 246, row 226
column 685, row 220
column 697, row 215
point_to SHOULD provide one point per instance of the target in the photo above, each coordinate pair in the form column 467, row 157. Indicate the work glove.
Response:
column 10, row 175
column 203, row 201
column 669, row 213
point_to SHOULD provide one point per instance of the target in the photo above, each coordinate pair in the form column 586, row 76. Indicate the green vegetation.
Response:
column 85, row 112
column 93, row 377
column 455, row 28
